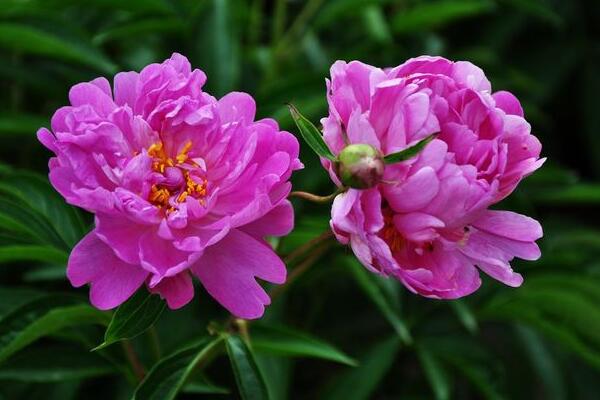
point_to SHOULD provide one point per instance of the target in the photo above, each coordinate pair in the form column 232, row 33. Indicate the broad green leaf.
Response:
column 55, row 363
column 435, row 373
column 34, row 191
column 21, row 124
column 278, row 373
column 409, row 152
column 169, row 375
column 13, row 298
column 375, row 290
column 32, row 253
column 133, row 317
column 289, row 342
column 359, row 383
column 41, row 318
column 201, row 385
column 17, row 217
column 29, row 40
column 430, row 15
column 312, row 136
column 248, row 377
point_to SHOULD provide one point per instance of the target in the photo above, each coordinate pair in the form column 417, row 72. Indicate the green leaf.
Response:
column 217, row 45
column 41, row 318
column 34, row 191
column 29, row 40
column 133, row 317
column 465, row 315
column 289, row 342
column 32, row 253
column 55, row 363
column 582, row 193
column 250, row 382
column 21, row 124
column 137, row 28
column 359, row 383
column 312, row 136
column 544, row 363
column 376, row 291
column 430, row 15
column 435, row 373
column 169, row 375
column 201, row 385
column 409, row 152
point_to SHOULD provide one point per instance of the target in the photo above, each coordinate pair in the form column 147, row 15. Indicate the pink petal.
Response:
column 277, row 222
column 510, row 225
column 228, row 270
column 112, row 280
column 507, row 102
column 413, row 194
column 237, row 107
column 87, row 93
column 418, row 226
column 177, row 290
column 125, row 88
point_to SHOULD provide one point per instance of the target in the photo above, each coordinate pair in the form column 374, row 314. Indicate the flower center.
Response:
column 181, row 178
column 389, row 233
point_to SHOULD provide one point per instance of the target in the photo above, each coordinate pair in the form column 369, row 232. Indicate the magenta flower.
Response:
column 181, row 184
column 427, row 223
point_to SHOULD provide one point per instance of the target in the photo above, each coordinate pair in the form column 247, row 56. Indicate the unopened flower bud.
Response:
column 360, row 166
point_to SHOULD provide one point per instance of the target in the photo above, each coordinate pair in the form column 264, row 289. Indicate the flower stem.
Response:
column 137, row 367
column 316, row 198
column 301, row 269
column 307, row 246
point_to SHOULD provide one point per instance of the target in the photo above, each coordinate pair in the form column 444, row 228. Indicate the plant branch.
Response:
column 137, row 367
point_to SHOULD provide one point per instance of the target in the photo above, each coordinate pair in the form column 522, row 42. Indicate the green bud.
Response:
column 360, row 166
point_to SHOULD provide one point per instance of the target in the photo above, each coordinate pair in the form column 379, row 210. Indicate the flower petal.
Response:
column 228, row 270
column 177, row 290
column 112, row 281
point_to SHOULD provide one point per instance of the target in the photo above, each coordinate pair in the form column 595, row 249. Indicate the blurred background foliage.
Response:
column 376, row 340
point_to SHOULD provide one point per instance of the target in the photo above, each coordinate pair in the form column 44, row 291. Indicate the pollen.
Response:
column 390, row 234
column 194, row 186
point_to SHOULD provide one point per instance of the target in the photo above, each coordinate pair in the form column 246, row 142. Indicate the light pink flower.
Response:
column 181, row 184
column 428, row 223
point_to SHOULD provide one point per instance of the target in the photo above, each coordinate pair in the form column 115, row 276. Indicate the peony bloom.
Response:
column 427, row 222
column 180, row 183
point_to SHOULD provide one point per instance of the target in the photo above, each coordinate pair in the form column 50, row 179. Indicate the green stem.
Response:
column 138, row 369
column 301, row 269
column 316, row 198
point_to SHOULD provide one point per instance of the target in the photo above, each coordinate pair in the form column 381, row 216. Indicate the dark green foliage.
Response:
column 338, row 332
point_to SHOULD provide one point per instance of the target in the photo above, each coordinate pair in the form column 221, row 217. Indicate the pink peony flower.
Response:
column 180, row 184
column 427, row 223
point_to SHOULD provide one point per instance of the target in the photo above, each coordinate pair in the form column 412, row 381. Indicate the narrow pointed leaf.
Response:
column 248, row 377
column 434, row 372
column 133, row 317
column 409, row 152
column 312, row 136
column 292, row 343
column 167, row 378
column 359, row 383
column 465, row 315
column 55, row 363
column 373, row 288
column 40, row 318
